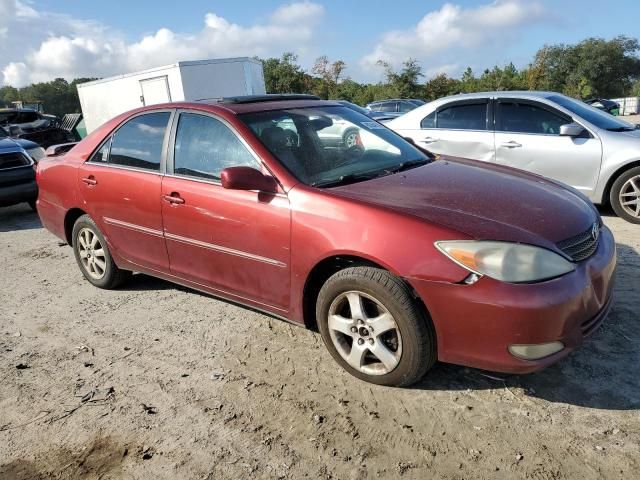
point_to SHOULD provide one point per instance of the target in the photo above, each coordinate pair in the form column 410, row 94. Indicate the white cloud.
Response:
column 72, row 48
column 454, row 28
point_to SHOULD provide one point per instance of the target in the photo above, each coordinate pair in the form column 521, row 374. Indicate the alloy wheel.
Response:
column 91, row 253
column 630, row 196
column 351, row 139
column 364, row 333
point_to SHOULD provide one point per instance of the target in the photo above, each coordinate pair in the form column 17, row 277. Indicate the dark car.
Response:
column 35, row 151
column 395, row 105
column 17, row 175
column 37, row 127
column 378, row 116
column 397, row 258
column 608, row 106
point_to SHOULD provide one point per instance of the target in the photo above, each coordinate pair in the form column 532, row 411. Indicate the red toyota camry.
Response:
column 312, row 212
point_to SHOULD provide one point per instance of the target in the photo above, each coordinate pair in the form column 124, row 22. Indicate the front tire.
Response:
column 625, row 195
column 374, row 328
column 93, row 256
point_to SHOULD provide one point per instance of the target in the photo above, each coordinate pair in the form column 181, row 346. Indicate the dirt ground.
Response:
column 158, row 381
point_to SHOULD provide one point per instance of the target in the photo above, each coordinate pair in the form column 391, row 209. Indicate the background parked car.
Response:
column 395, row 105
column 608, row 106
column 381, row 117
column 35, row 151
column 542, row 132
column 17, row 175
column 35, row 126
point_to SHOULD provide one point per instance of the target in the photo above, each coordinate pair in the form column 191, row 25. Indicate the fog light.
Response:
column 535, row 351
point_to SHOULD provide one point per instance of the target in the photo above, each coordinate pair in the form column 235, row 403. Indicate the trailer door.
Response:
column 155, row 90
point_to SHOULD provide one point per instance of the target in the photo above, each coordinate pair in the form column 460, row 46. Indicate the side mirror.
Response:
column 571, row 130
column 247, row 178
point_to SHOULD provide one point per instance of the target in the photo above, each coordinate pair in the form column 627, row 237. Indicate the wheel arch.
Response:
column 69, row 220
column 328, row 266
column 606, row 194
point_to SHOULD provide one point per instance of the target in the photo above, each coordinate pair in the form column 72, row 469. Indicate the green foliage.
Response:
column 593, row 67
column 58, row 96
column 441, row 86
column 284, row 75
column 405, row 82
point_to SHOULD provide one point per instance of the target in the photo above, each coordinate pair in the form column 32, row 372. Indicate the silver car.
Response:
column 543, row 132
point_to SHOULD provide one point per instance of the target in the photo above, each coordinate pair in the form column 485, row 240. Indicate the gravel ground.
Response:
column 158, row 381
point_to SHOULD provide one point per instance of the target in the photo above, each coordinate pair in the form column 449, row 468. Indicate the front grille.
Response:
column 13, row 160
column 583, row 245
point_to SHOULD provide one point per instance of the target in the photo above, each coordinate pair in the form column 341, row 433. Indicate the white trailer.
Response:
column 103, row 99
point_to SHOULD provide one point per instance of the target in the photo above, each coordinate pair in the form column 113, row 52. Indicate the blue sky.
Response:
column 96, row 38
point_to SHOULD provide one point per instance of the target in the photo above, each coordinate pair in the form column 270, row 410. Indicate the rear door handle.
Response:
column 428, row 140
column 90, row 180
column 511, row 144
column 174, row 198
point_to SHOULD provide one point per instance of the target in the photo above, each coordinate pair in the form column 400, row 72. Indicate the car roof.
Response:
column 251, row 103
column 500, row 94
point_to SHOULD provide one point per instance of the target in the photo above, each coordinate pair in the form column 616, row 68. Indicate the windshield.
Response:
column 591, row 114
column 328, row 146
column 3, row 132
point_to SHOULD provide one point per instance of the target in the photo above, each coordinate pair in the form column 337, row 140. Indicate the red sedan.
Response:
column 397, row 258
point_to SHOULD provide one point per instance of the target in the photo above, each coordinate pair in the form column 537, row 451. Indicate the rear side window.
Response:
column 138, row 143
column 385, row 107
column 527, row 118
column 206, row 146
column 406, row 107
column 429, row 121
column 468, row 116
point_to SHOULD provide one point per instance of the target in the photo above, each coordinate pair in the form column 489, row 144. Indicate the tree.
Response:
column 468, row 82
column 283, row 75
column 405, row 82
column 327, row 76
column 592, row 67
column 441, row 86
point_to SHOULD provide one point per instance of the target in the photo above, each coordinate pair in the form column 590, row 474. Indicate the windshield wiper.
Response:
column 344, row 179
column 620, row 129
column 401, row 167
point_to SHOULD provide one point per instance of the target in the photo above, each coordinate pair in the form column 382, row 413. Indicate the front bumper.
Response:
column 21, row 192
column 475, row 324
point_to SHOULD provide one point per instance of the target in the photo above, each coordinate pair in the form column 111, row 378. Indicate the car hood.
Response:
column 482, row 201
column 631, row 133
column 12, row 143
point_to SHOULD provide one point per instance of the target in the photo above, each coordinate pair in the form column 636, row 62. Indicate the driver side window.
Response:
column 206, row 146
column 527, row 118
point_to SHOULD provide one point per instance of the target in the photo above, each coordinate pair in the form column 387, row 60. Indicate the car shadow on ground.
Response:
column 602, row 373
column 18, row 217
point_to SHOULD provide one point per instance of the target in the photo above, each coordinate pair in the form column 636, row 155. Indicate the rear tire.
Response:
column 93, row 256
column 33, row 206
column 374, row 328
column 625, row 195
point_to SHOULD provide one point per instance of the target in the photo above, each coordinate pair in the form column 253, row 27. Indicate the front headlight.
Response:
column 36, row 153
column 504, row 261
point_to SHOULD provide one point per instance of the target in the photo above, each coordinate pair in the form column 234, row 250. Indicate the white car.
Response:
column 542, row 132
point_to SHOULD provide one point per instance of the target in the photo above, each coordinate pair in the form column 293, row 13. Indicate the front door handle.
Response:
column 173, row 198
column 428, row 140
column 511, row 144
column 90, row 180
